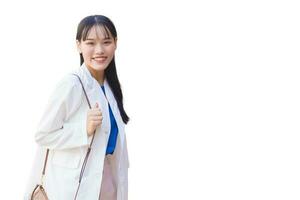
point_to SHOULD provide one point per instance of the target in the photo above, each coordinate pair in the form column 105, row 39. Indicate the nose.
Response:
column 99, row 49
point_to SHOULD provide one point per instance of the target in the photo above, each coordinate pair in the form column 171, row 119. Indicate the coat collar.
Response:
column 90, row 83
column 89, row 80
column 92, row 86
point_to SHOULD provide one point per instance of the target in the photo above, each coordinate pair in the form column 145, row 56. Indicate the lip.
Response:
column 100, row 59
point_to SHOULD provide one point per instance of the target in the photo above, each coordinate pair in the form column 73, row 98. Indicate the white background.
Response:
column 211, row 88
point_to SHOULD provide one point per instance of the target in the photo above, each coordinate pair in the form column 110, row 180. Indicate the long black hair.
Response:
column 110, row 72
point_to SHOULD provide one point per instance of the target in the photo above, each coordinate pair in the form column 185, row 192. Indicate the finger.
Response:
column 96, row 123
column 97, row 106
column 96, row 118
column 95, row 112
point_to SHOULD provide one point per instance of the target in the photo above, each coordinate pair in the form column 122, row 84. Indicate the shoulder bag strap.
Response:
column 89, row 148
column 87, row 153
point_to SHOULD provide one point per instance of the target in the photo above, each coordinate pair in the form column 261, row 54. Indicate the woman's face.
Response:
column 97, row 51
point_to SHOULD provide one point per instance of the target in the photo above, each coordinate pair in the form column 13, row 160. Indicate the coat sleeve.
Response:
column 54, row 130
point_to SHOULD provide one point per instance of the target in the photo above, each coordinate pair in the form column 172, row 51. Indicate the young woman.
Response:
column 68, row 124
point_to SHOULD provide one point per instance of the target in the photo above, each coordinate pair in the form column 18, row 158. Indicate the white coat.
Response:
column 62, row 129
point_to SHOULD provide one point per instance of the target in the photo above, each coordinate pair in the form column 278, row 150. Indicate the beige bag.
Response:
column 39, row 192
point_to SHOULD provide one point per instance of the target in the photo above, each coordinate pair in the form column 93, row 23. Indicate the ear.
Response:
column 78, row 46
column 116, row 42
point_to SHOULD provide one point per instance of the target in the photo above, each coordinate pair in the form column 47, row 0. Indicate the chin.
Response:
column 99, row 67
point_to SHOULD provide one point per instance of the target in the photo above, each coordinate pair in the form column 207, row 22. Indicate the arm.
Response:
column 55, row 131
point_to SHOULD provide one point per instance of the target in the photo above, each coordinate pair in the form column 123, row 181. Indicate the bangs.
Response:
column 105, row 31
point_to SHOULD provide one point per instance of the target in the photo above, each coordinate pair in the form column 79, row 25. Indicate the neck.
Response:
column 98, row 75
column 100, row 79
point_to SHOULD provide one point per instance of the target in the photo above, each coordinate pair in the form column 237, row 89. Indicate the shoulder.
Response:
column 68, row 86
column 69, row 80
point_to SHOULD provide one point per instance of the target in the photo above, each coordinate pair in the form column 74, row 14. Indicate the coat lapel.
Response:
column 95, row 94
column 114, row 106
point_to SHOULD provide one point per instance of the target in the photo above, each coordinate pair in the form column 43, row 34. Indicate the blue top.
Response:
column 113, row 131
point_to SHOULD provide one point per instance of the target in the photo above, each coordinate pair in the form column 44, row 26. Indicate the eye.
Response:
column 90, row 43
column 107, row 42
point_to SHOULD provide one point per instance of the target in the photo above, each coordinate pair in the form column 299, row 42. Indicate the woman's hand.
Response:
column 94, row 119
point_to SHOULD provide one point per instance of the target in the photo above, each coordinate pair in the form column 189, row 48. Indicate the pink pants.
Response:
column 109, row 186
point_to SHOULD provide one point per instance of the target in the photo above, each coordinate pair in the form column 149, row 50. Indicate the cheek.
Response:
column 111, row 50
column 87, row 53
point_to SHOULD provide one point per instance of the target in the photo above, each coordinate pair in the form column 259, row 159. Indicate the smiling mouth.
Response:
column 100, row 59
